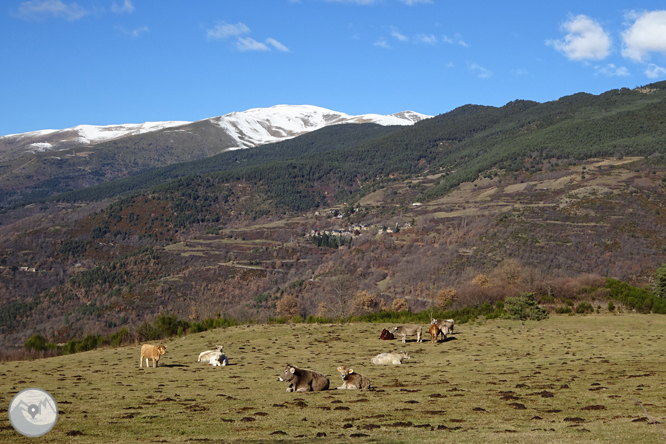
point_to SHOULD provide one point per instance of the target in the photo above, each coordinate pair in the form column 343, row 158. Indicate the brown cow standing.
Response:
column 434, row 333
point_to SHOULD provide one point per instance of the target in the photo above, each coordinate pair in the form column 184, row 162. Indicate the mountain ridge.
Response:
column 253, row 127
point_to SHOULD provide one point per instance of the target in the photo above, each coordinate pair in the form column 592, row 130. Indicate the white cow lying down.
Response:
column 394, row 358
column 219, row 360
column 215, row 357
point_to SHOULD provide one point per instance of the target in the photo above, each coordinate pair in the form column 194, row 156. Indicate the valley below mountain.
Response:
column 460, row 210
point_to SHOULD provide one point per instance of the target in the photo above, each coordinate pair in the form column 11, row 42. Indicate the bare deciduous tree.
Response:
column 288, row 306
column 400, row 304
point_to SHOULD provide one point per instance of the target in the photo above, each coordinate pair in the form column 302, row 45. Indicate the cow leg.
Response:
column 141, row 361
column 403, row 339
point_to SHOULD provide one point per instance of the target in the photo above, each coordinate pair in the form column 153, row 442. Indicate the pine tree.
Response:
column 660, row 281
column 525, row 307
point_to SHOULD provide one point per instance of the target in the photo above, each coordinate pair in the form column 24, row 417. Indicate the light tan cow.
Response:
column 352, row 381
column 153, row 352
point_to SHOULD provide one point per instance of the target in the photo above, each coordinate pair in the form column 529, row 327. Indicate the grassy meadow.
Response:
column 568, row 379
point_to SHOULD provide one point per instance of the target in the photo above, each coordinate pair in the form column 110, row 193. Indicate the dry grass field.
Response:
column 568, row 379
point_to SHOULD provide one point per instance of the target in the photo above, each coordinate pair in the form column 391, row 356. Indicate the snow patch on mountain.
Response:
column 259, row 126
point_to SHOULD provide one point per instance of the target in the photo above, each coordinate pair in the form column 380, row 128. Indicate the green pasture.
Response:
column 568, row 379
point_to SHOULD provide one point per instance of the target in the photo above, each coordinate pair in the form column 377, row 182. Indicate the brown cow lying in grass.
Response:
column 352, row 380
column 153, row 352
column 302, row 380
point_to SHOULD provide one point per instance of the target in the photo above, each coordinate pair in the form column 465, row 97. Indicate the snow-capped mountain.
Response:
column 246, row 129
column 259, row 126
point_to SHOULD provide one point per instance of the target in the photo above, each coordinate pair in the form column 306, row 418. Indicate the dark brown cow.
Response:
column 386, row 335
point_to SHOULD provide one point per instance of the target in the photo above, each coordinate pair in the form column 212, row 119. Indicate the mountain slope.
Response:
column 245, row 129
column 40, row 164
column 458, row 145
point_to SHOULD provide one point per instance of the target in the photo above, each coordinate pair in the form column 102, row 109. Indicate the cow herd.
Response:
column 303, row 380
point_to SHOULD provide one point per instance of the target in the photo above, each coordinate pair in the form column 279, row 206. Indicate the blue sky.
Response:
column 105, row 62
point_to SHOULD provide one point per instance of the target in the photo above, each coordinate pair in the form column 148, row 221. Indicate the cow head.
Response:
column 288, row 373
column 434, row 321
column 161, row 349
column 392, row 329
column 405, row 354
column 345, row 372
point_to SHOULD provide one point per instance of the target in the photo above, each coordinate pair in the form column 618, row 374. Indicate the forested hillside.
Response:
column 462, row 144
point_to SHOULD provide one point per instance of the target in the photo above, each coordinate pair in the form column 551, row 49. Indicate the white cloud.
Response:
column 358, row 2
column 382, row 44
column 127, row 6
column 611, row 70
column 223, row 30
column 646, row 35
column 277, row 45
column 480, row 71
column 395, row 33
column 585, row 39
column 415, row 2
column 653, row 71
column 42, row 9
column 457, row 41
column 250, row 44
column 519, row 72
column 429, row 39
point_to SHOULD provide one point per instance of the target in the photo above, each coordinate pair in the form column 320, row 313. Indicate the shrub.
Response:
column 90, row 342
column 36, row 342
column 584, row 307
column 146, row 332
column 562, row 310
column 611, row 306
column 635, row 298
column 119, row 337
column 197, row 327
column 547, row 299
column 166, row 325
